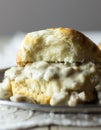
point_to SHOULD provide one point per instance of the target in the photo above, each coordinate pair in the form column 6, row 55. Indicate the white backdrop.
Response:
column 29, row 15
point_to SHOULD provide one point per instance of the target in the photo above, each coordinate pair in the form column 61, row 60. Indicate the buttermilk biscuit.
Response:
column 57, row 45
column 54, row 66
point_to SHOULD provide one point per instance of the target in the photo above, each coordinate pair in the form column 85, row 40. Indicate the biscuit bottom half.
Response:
column 51, row 83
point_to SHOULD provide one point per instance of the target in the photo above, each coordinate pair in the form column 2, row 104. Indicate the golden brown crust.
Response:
column 57, row 45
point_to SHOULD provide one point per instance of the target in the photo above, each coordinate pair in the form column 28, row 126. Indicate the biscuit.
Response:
column 57, row 45
column 57, row 66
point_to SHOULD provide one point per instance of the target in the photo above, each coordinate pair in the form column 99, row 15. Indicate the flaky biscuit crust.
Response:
column 57, row 45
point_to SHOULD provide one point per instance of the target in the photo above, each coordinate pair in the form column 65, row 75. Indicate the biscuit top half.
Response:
column 57, row 45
